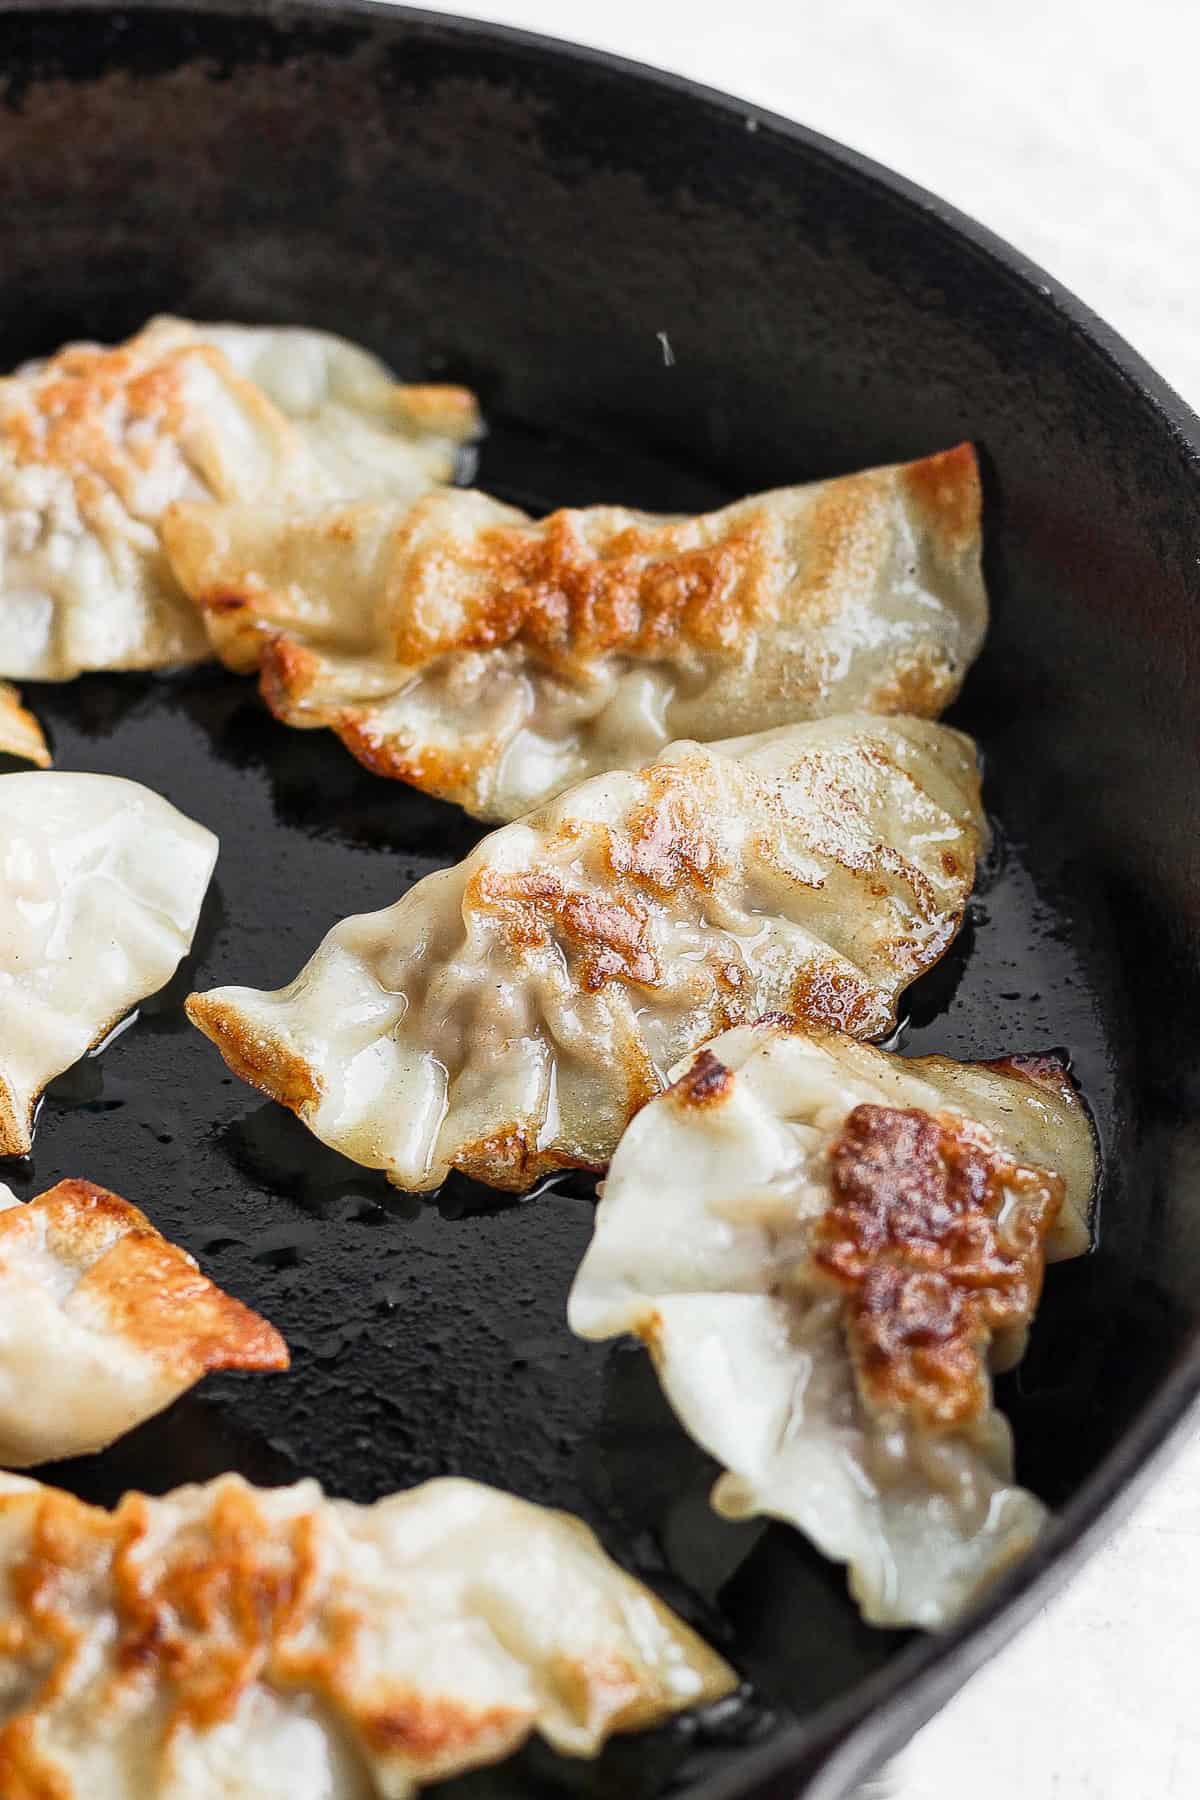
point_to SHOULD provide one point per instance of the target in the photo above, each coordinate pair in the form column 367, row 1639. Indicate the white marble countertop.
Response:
column 1068, row 127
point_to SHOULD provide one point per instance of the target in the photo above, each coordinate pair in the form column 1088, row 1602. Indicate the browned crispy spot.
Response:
column 158, row 1300
column 452, row 775
column 150, row 1292
column 945, row 490
column 100, row 414
column 438, row 408
column 823, row 995
column 20, row 733
column 1045, row 1070
column 649, row 1330
column 923, row 687
column 207, row 1616
column 506, row 1159
column 16, row 1129
column 706, row 1083
column 24, row 1774
column 640, row 592
column 230, row 1600
column 430, row 1729
column 503, row 1159
column 201, row 1619
column 915, row 1240
column 288, row 672
column 666, row 843
column 610, row 937
column 263, row 1061
column 224, row 602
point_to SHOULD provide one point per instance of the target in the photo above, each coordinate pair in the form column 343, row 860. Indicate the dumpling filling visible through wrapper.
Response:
column 493, row 659
column 508, row 1016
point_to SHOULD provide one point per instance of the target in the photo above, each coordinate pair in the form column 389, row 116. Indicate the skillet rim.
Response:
column 845, row 1738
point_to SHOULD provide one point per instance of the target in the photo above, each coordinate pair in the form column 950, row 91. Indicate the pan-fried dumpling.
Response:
column 250, row 1644
column 20, row 733
column 101, row 883
column 96, row 442
column 492, row 660
column 509, row 1015
column 103, row 1323
column 825, row 1248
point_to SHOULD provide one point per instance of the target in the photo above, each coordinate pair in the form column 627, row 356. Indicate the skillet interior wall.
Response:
column 532, row 227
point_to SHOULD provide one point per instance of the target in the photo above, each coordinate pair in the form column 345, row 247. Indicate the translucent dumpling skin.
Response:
column 234, row 1643
column 494, row 659
column 508, row 1016
column 826, row 1249
column 101, row 884
column 103, row 1323
column 96, row 442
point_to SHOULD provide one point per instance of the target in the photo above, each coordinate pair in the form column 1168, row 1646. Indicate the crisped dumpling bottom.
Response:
column 508, row 1016
column 103, row 1323
column 494, row 659
column 233, row 1643
column 824, row 1247
column 96, row 442
column 101, row 883
column 20, row 733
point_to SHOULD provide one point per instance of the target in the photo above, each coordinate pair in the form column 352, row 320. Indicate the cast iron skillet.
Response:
column 486, row 206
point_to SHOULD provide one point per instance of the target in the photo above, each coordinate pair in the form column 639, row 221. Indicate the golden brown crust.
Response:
column 644, row 593
column 825, row 995
column 665, row 844
column 609, row 937
column 762, row 603
column 440, row 410
column 448, row 775
column 150, row 1292
column 505, row 1159
column 1044, row 1070
column 262, row 1062
column 435, row 1730
column 66, row 418
column 707, row 1082
column 24, row 1774
column 232, row 1598
column 16, row 1128
column 915, row 1240
column 923, row 687
column 20, row 733
column 946, row 491
column 161, row 1303
column 287, row 667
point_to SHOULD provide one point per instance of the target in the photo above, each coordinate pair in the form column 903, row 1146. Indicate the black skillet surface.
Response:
column 485, row 206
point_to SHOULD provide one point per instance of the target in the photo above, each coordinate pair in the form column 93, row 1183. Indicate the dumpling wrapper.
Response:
column 96, row 442
column 493, row 660
column 233, row 1643
column 822, row 1307
column 508, row 1016
column 20, row 733
column 103, row 1323
column 101, row 883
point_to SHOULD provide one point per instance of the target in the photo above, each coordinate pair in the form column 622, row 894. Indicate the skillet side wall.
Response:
column 475, row 208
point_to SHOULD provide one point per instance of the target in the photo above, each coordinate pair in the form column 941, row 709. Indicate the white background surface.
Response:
column 1070, row 128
